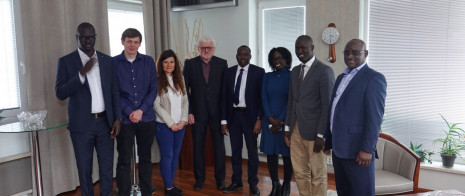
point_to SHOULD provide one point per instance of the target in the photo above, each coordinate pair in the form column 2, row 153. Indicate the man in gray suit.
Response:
column 307, row 118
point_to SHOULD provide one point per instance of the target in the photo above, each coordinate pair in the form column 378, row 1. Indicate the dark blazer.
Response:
column 68, row 85
column 358, row 114
column 253, row 91
column 204, row 99
column 309, row 106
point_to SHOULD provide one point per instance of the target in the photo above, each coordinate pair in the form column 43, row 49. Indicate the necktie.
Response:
column 301, row 76
column 238, row 87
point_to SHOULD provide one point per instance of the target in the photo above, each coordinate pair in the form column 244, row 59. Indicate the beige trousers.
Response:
column 309, row 168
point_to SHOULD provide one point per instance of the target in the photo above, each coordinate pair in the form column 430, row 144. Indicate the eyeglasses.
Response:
column 84, row 38
column 206, row 48
column 353, row 52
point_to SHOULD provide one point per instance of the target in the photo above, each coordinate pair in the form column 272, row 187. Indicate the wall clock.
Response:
column 330, row 36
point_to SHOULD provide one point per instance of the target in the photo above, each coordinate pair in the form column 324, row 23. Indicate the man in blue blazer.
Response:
column 88, row 79
column 356, row 115
column 241, row 113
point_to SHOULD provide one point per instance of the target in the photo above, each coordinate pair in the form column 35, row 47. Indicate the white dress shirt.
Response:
column 243, row 83
column 241, row 90
column 95, row 84
column 308, row 64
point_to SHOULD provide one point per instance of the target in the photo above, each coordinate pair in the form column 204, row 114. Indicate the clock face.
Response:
column 330, row 35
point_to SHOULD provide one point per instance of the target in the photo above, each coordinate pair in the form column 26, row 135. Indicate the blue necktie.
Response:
column 238, row 87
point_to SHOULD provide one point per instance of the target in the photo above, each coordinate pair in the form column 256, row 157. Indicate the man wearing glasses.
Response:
column 87, row 77
column 203, row 77
column 356, row 114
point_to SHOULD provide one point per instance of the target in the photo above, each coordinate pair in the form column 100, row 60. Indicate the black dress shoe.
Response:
column 172, row 192
column 198, row 185
column 221, row 186
column 233, row 187
column 254, row 190
column 178, row 190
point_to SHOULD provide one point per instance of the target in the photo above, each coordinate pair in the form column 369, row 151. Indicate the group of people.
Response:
column 302, row 115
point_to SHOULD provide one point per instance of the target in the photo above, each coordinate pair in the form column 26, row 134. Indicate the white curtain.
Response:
column 157, row 28
column 49, row 28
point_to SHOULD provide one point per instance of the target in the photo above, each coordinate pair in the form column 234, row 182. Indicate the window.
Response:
column 123, row 15
column 9, row 77
column 12, row 84
column 281, row 24
column 419, row 47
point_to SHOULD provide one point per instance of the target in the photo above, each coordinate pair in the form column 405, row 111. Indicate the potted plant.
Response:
column 452, row 143
column 422, row 153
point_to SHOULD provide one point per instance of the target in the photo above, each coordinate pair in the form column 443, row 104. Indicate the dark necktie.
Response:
column 238, row 87
column 301, row 76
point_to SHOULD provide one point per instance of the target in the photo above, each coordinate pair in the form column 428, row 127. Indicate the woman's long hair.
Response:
column 163, row 83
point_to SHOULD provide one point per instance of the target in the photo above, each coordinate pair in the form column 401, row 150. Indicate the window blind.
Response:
column 9, row 80
column 420, row 47
column 281, row 27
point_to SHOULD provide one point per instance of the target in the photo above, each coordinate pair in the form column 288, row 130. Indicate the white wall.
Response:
column 231, row 27
column 435, row 177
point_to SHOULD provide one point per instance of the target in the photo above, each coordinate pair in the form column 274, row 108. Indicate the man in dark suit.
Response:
column 356, row 114
column 88, row 79
column 241, row 113
column 307, row 118
column 203, row 77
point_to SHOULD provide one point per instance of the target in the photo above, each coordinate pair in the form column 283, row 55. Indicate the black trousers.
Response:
column 97, row 137
column 240, row 130
column 199, row 132
column 144, row 133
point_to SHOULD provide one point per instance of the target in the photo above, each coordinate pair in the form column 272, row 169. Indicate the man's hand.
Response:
column 257, row 128
column 224, row 129
column 115, row 128
column 287, row 138
column 319, row 144
column 87, row 67
column 363, row 158
column 191, row 119
column 136, row 116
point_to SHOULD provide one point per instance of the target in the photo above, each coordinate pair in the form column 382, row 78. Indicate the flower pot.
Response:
column 448, row 160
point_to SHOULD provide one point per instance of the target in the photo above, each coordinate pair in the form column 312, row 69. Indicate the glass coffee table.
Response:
column 33, row 129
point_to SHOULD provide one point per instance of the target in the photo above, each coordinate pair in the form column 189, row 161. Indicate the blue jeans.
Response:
column 169, row 143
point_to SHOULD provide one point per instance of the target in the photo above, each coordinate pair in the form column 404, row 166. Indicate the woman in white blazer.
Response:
column 171, row 107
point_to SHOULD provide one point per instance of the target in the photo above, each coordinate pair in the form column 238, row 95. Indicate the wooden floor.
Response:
column 184, row 180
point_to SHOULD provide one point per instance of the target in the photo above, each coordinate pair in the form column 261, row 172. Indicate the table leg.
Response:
column 135, row 190
column 37, row 167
